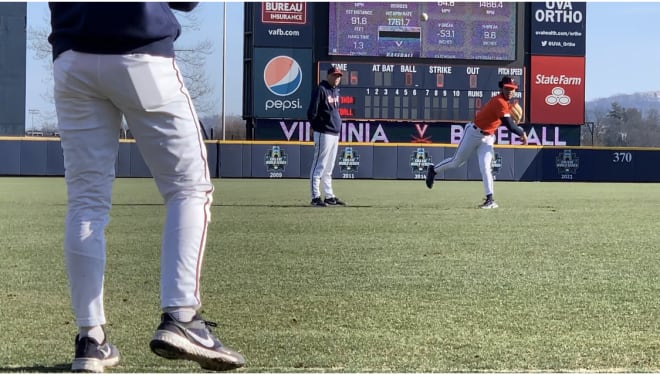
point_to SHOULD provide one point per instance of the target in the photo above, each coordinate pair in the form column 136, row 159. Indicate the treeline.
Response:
column 620, row 126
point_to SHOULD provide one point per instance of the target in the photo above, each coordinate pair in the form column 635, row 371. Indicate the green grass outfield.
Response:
column 563, row 277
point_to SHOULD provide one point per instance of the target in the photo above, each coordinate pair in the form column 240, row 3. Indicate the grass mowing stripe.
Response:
column 562, row 277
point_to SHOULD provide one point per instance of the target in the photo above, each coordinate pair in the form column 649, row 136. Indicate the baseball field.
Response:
column 563, row 277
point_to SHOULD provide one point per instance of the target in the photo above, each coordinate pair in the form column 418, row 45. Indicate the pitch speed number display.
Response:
column 451, row 30
column 418, row 92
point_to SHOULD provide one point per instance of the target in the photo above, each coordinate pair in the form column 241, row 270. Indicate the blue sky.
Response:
column 622, row 54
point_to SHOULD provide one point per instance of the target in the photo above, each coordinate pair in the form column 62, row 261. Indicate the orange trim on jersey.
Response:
column 488, row 118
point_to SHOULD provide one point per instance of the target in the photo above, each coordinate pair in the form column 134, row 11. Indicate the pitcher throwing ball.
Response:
column 479, row 137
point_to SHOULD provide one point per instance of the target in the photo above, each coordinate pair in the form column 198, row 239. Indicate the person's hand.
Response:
column 524, row 138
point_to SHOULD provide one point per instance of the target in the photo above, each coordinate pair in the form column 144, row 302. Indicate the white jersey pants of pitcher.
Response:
column 473, row 141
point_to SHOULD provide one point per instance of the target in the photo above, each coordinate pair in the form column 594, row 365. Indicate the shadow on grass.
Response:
column 282, row 206
column 59, row 368
column 303, row 205
column 138, row 204
column 235, row 205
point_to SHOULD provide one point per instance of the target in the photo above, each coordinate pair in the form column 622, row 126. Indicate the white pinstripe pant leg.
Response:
column 89, row 128
column 485, row 156
column 91, row 93
column 325, row 154
column 150, row 92
column 467, row 146
column 473, row 141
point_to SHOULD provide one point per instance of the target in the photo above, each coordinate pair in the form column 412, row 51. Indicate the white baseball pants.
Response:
column 473, row 141
column 325, row 154
column 92, row 92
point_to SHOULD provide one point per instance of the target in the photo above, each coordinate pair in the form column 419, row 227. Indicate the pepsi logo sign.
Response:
column 282, row 76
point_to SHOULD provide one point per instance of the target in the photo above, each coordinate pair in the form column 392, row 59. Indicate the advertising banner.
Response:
column 557, row 90
column 283, row 23
column 282, row 83
column 558, row 28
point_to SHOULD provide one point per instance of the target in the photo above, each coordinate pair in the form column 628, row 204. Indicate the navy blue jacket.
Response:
column 115, row 28
column 323, row 111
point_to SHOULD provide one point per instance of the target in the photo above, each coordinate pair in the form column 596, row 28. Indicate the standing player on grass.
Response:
column 323, row 114
column 479, row 137
column 113, row 60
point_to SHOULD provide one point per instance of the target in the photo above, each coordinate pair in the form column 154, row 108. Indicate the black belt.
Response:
column 478, row 129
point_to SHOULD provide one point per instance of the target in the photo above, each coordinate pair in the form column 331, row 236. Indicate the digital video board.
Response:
column 439, row 30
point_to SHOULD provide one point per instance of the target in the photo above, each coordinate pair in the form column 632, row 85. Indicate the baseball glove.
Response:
column 516, row 113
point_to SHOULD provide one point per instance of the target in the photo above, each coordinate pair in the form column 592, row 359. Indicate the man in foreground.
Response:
column 114, row 60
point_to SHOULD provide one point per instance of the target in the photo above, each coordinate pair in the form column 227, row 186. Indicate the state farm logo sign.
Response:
column 557, row 90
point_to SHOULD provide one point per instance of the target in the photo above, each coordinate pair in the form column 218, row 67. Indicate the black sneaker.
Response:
column 334, row 201
column 92, row 357
column 489, row 204
column 430, row 176
column 317, row 202
column 193, row 341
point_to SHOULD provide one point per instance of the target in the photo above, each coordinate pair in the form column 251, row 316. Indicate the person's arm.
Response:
column 514, row 128
column 313, row 110
column 182, row 6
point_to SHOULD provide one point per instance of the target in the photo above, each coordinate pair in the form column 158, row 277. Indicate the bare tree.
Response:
column 38, row 42
column 235, row 127
column 191, row 58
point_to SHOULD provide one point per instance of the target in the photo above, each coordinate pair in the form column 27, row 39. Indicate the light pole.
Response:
column 590, row 125
column 224, row 63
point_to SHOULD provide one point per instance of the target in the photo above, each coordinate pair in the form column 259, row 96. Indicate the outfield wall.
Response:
column 27, row 156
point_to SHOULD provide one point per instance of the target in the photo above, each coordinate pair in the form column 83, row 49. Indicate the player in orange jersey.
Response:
column 479, row 137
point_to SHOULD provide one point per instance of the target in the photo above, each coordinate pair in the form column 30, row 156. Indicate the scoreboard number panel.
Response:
column 419, row 92
column 484, row 30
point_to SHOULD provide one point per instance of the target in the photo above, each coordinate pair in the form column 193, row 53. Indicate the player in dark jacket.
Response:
column 115, row 27
column 114, row 60
column 323, row 114
column 323, row 111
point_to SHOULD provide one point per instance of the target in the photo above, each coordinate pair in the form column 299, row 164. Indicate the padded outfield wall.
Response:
column 26, row 156
column 12, row 68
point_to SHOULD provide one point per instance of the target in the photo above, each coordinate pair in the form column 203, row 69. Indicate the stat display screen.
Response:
column 453, row 30
column 419, row 92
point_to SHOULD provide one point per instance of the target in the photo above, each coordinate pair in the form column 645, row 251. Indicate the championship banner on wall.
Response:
column 557, row 90
column 412, row 132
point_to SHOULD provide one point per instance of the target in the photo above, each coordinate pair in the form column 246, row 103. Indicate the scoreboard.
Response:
column 418, row 92
column 420, row 66
column 484, row 30
column 401, row 59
